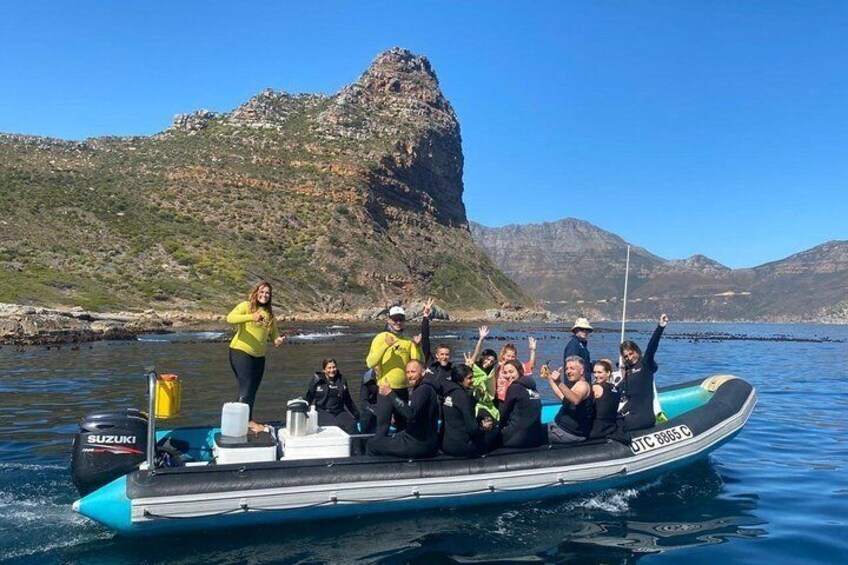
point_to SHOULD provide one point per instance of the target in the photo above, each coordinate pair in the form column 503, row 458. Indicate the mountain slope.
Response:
column 340, row 201
column 577, row 268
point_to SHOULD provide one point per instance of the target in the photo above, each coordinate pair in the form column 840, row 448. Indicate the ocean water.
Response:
column 777, row 493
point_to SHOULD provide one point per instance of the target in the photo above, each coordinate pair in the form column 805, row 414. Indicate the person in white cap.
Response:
column 579, row 345
column 390, row 352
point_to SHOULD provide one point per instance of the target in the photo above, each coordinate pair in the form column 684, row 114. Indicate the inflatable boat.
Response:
column 194, row 480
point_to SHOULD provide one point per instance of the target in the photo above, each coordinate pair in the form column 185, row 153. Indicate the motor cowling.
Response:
column 108, row 445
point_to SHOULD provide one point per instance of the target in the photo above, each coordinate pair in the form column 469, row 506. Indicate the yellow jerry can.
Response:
column 167, row 396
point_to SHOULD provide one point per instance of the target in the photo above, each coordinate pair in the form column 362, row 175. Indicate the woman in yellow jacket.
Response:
column 256, row 324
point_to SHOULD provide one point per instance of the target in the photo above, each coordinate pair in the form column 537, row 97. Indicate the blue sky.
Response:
column 684, row 127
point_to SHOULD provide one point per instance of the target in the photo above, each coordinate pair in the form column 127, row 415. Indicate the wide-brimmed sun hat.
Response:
column 582, row 324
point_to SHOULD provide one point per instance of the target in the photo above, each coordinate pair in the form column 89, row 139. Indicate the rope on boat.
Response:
column 415, row 494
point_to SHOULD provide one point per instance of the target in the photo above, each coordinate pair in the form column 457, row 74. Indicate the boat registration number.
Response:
column 662, row 438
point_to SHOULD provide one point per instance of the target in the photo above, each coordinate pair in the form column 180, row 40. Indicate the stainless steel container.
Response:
column 296, row 417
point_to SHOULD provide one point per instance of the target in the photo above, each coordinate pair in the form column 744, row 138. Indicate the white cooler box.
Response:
column 252, row 449
column 328, row 442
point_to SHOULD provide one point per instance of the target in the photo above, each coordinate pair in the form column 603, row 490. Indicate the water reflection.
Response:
column 684, row 509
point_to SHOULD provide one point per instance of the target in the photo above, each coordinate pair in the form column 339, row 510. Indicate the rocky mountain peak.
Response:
column 568, row 235
column 399, row 90
column 398, row 73
column 272, row 109
column 829, row 257
column 699, row 262
column 192, row 122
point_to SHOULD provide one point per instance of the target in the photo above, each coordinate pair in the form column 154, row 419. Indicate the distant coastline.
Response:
column 39, row 325
column 23, row 325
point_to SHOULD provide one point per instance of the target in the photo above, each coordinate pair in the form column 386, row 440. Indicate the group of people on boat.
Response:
column 462, row 409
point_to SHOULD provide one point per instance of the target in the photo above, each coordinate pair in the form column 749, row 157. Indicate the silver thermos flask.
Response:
column 296, row 417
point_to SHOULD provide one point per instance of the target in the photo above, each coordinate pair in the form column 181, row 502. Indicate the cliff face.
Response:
column 576, row 268
column 340, row 201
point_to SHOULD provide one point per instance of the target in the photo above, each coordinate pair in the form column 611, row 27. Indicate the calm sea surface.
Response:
column 777, row 493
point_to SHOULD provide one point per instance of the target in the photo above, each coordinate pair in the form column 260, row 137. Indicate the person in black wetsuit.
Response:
column 607, row 399
column 329, row 392
column 579, row 345
column 368, row 401
column 420, row 438
column 462, row 434
column 638, row 385
column 521, row 411
column 439, row 364
column 573, row 422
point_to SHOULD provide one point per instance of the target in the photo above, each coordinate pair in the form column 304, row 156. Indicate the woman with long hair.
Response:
column 521, row 412
column 638, row 385
column 510, row 353
column 256, row 324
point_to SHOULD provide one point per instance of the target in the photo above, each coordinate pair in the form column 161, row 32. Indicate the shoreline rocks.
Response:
column 38, row 325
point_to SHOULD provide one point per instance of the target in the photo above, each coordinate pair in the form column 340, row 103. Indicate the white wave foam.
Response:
column 339, row 327
column 41, row 517
column 504, row 521
column 73, row 541
column 316, row 336
column 209, row 335
column 180, row 336
column 612, row 501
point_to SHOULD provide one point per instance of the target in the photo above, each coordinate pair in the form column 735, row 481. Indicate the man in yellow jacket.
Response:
column 391, row 351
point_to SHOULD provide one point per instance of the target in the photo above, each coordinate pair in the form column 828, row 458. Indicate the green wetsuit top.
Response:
column 252, row 337
column 484, row 392
column 392, row 359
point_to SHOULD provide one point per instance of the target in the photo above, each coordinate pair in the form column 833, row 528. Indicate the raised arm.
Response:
column 531, row 363
column 554, row 380
column 483, row 331
column 574, row 394
column 426, row 351
column 653, row 344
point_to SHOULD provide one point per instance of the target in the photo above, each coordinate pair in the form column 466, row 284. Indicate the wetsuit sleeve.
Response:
column 310, row 392
column 240, row 314
column 425, row 340
column 570, row 349
column 368, row 392
column 348, row 402
column 406, row 410
column 466, row 407
column 651, row 350
column 509, row 405
column 378, row 349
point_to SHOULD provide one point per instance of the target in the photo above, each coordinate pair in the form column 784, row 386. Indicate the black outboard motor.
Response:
column 107, row 446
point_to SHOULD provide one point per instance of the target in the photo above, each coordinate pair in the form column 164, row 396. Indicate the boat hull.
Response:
column 214, row 496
